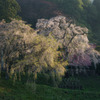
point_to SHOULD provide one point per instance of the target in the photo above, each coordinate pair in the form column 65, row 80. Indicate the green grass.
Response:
column 90, row 83
column 20, row 91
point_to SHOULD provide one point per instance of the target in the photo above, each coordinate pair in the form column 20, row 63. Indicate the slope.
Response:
column 20, row 91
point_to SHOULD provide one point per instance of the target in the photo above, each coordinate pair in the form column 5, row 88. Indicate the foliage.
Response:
column 26, row 52
column 9, row 9
column 79, row 52
column 71, row 83
column 83, row 12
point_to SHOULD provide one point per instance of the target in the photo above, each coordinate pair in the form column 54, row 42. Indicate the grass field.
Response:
column 19, row 91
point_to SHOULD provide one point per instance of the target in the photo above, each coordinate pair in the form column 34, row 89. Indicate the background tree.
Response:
column 9, row 9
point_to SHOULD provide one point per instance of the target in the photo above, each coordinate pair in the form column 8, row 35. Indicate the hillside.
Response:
column 31, row 10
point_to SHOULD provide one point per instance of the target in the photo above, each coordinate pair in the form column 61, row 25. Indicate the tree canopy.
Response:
column 23, row 51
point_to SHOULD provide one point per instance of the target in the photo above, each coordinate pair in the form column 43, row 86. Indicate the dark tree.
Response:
column 9, row 9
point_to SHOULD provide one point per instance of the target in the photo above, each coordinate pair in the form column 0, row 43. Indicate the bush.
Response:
column 71, row 83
